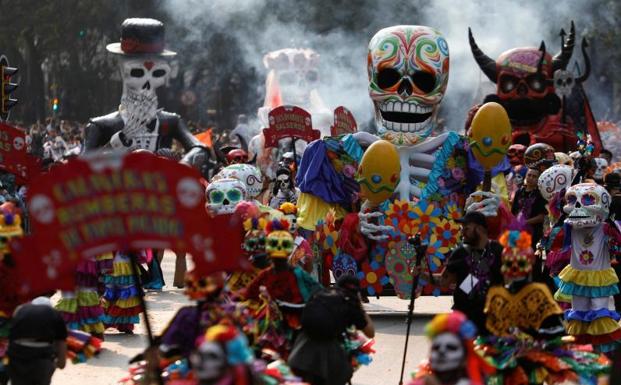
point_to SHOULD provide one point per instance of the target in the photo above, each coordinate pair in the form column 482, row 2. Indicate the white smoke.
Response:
column 264, row 25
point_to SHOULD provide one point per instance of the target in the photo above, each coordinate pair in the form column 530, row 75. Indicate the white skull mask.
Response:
column 447, row 353
column 209, row 361
column 224, row 194
column 563, row 83
column 587, row 205
column 555, row 179
column 600, row 170
column 249, row 175
column 408, row 74
column 147, row 74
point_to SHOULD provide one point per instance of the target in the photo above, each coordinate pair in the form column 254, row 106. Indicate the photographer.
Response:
column 318, row 355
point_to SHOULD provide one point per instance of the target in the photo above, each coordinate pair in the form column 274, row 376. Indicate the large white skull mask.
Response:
column 600, row 168
column 209, row 361
column 408, row 73
column 554, row 180
column 148, row 73
column 249, row 175
column 447, row 353
column 224, row 194
column 587, row 205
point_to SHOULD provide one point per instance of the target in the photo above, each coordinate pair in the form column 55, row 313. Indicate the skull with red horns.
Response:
column 524, row 79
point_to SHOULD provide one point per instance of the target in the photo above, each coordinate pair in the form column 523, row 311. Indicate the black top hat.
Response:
column 141, row 37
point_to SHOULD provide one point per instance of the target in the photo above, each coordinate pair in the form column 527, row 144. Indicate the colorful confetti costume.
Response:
column 591, row 281
column 120, row 298
column 81, row 308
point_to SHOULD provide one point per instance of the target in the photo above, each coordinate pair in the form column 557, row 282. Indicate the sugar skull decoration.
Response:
column 587, row 205
column 601, row 165
column 539, row 156
column 279, row 242
column 517, row 255
column 564, row 159
column 378, row 173
column 248, row 174
column 408, row 69
column 224, row 194
column 554, row 180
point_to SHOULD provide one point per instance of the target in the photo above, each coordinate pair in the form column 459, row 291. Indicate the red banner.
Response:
column 13, row 155
column 289, row 122
column 344, row 122
column 105, row 203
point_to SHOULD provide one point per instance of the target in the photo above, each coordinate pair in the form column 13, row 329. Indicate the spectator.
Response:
column 318, row 355
column 529, row 202
column 37, row 344
column 473, row 267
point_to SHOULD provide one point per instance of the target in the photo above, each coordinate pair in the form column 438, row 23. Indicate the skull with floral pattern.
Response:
column 224, row 194
column 408, row 73
column 279, row 241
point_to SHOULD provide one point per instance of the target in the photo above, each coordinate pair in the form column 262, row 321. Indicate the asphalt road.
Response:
column 389, row 318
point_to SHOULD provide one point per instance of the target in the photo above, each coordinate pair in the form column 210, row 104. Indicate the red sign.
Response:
column 113, row 202
column 289, row 122
column 344, row 122
column 13, row 156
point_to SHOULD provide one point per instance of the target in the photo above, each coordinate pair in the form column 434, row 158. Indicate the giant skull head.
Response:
column 408, row 73
column 554, row 180
column 148, row 73
column 516, row 154
column 224, row 194
column 296, row 70
column 587, row 205
column 447, row 353
column 248, row 174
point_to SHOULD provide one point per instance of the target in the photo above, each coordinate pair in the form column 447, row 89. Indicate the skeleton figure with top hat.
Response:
column 139, row 123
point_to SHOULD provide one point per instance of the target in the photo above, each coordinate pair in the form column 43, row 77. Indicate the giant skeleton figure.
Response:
column 408, row 69
column 139, row 123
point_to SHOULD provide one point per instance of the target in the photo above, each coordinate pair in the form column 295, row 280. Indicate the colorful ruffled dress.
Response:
column 120, row 298
column 591, row 282
column 81, row 308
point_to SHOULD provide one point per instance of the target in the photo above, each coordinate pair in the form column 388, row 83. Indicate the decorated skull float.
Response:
column 408, row 74
column 249, row 175
column 224, row 194
column 587, row 205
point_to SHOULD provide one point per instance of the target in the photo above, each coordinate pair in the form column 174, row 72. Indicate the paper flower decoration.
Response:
column 373, row 277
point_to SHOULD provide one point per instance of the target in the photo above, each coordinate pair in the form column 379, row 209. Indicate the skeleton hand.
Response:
column 371, row 230
column 484, row 202
column 140, row 108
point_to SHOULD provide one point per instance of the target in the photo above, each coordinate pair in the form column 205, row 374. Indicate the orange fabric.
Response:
column 205, row 137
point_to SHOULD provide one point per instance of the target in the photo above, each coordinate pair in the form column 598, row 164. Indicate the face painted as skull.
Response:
column 600, row 168
column 447, row 353
column 224, row 194
column 279, row 244
column 209, row 361
column 587, row 205
column 408, row 74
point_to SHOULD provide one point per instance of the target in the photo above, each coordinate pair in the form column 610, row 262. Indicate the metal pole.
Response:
column 421, row 249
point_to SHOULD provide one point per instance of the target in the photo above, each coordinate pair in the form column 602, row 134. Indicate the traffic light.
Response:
column 7, row 87
column 55, row 105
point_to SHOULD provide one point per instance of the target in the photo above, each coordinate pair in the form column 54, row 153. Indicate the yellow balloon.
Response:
column 490, row 134
column 378, row 173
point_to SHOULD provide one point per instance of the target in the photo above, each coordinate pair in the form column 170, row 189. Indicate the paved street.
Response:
column 388, row 315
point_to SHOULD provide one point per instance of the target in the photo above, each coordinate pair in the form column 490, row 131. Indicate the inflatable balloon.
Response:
column 378, row 173
column 490, row 134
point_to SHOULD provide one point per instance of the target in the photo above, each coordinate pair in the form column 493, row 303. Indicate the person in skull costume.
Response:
column 284, row 189
column 139, row 123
